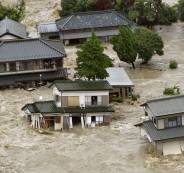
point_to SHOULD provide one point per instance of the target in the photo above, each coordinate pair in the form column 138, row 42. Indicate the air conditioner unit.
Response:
column 82, row 106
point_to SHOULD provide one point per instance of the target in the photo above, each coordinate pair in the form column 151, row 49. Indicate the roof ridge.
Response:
column 163, row 98
column 45, row 42
column 69, row 18
column 94, row 11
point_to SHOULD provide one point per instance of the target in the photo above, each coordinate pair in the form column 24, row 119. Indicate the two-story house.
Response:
column 75, row 102
column 26, row 61
column 164, row 124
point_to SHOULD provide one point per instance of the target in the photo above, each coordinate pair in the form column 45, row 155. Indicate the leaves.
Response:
column 91, row 61
column 125, row 45
column 148, row 44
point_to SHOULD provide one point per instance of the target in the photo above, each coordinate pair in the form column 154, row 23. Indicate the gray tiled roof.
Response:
column 93, row 19
column 47, row 27
column 8, row 26
column 163, row 134
column 50, row 107
column 25, row 49
column 166, row 106
column 78, row 85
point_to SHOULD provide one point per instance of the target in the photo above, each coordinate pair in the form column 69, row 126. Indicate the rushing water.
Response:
column 117, row 148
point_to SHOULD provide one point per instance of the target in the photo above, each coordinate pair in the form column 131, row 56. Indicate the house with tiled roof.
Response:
column 79, row 26
column 83, row 103
column 36, row 60
column 164, row 124
column 10, row 29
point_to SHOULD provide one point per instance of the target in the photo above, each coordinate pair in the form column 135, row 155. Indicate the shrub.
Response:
column 171, row 90
column 135, row 97
column 173, row 64
column 117, row 99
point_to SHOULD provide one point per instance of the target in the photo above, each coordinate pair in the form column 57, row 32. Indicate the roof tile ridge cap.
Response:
column 119, row 14
column 46, row 43
column 67, row 20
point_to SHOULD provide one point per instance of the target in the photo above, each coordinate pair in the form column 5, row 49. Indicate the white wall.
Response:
column 57, row 92
column 83, row 94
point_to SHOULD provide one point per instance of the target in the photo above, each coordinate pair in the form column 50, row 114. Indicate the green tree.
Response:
column 181, row 9
column 125, row 45
column 149, row 43
column 85, row 5
column 91, row 61
column 13, row 12
column 68, row 7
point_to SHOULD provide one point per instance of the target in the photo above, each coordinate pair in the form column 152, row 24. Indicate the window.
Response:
column 88, row 100
column 99, row 100
column 2, row 68
column 94, row 100
column 57, row 98
column 172, row 122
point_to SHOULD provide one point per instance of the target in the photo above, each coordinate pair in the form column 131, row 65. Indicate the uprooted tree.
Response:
column 91, row 61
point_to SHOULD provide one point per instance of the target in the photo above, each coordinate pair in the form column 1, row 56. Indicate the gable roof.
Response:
column 50, row 107
column 163, row 134
column 93, row 19
column 24, row 49
column 166, row 106
column 8, row 26
column 78, row 85
column 118, row 77
column 47, row 27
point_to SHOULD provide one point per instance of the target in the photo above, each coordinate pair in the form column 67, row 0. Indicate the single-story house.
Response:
column 10, row 29
column 79, row 26
column 120, row 82
column 84, row 103
column 164, row 124
column 48, row 30
column 31, row 60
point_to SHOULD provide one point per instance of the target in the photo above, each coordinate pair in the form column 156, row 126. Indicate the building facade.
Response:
column 164, row 124
column 78, row 27
column 84, row 103
column 31, row 60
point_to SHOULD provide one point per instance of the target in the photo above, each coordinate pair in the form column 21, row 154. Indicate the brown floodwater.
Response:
column 116, row 148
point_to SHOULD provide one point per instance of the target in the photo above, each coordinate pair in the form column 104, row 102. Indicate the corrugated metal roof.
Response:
column 164, row 134
column 50, row 107
column 118, row 77
column 93, row 19
column 8, row 26
column 166, row 106
column 26, row 49
column 78, row 85
column 47, row 27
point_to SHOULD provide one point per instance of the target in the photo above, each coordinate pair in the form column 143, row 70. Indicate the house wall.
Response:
column 56, row 92
column 8, row 37
column 160, row 124
column 81, row 96
column 58, row 125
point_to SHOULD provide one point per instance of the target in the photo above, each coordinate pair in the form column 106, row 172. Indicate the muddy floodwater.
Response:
column 117, row 148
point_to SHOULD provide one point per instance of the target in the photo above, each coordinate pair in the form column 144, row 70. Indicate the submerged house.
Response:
column 78, row 27
column 31, row 61
column 10, row 29
column 164, row 124
column 74, row 102
column 120, row 82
